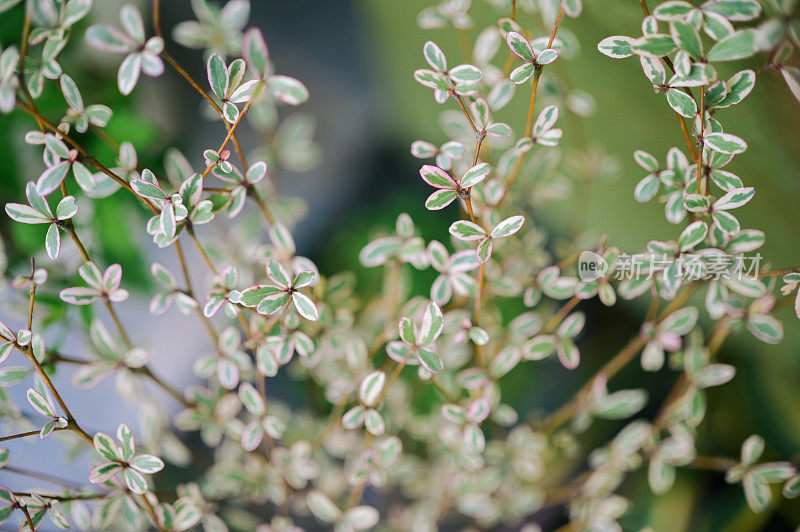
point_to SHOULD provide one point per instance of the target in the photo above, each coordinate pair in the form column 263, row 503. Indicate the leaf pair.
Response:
column 467, row 231
column 417, row 341
column 102, row 285
column 534, row 60
column 448, row 187
column 38, row 212
column 269, row 299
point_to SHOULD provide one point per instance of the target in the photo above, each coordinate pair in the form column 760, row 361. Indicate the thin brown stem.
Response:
column 268, row 216
column 190, row 292
column 612, row 367
column 28, row 517
column 175, row 394
column 559, row 316
column 21, row 435
column 199, row 246
column 151, row 511
column 699, row 160
column 40, row 476
column 185, row 75
column 86, row 156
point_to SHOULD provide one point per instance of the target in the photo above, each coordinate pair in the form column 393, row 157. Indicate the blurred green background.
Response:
column 362, row 54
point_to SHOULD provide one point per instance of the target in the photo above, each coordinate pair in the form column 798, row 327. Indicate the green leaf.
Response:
column 655, row 45
column 288, row 90
column 520, row 46
column 51, row 178
column 434, row 56
column 147, row 463
column 135, row 481
column 431, row 79
column 40, row 403
column 255, row 52
column 273, row 303
column 765, row 328
column 475, row 175
column 128, row 73
column 305, row 306
column 25, row 214
column 672, row 10
column 725, row 143
column 757, row 493
column 440, row 199
column 371, row 387
column 430, row 360
column 647, row 188
column 687, row 38
column 737, row 45
column 735, row 10
column 465, row 73
column 568, row 353
column 734, row 199
column 739, row 86
column 105, row 445
column 616, row 46
column 71, row 93
column 278, row 274
column 523, row 73
column 432, row 323
column 694, row 233
column 682, row 103
column 484, row 251
column 508, row 227
column 645, row 160
column 466, row 231
column 621, row 404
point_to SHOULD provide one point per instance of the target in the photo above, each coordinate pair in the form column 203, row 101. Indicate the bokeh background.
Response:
column 356, row 57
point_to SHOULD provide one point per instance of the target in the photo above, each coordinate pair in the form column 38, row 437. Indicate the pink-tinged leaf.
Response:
column 128, row 73
column 255, row 52
column 25, row 214
column 217, row 75
column 522, row 73
column 484, row 251
column 436, row 177
column 112, row 278
column 52, row 242
column 508, row 227
column 546, row 119
column 430, row 360
column 135, row 481
column 273, row 303
column 278, row 274
column 147, row 463
column 440, row 199
column 51, row 178
column 79, row 295
column 305, row 306
column 105, row 445
column 432, row 324
column 40, row 403
column 520, row 46
column 288, row 90
column 475, row 175
column 547, row 56
column 434, row 56
column 734, row 199
column 407, row 331
column 109, row 39
column 466, row 231
column 104, row 472
column 568, row 353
